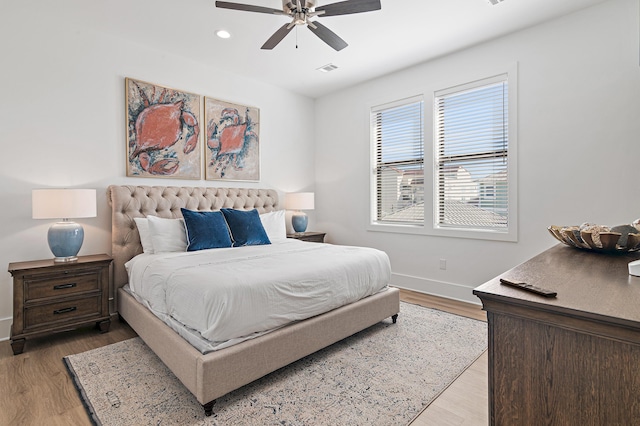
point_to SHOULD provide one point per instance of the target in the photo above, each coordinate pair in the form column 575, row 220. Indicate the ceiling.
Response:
column 403, row 33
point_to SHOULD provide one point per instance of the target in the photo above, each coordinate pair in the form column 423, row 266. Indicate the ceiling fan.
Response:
column 301, row 11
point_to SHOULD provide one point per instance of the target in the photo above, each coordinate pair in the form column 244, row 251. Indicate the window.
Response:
column 472, row 181
column 398, row 137
column 469, row 190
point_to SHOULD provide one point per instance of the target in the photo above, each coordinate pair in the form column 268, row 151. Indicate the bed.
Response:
column 213, row 374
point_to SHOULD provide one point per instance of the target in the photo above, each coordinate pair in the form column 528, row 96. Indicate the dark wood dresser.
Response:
column 50, row 297
column 569, row 360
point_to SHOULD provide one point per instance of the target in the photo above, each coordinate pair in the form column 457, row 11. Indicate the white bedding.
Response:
column 230, row 294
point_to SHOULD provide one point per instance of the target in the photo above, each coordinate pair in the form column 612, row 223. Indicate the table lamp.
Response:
column 299, row 201
column 65, row 238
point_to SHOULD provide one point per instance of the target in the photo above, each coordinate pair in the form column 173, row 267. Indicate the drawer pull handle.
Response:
column 64, row 311
column 63, row 286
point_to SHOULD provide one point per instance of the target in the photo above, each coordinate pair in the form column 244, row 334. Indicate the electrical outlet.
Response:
column 443, row 264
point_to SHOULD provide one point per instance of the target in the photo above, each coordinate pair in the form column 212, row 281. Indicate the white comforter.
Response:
column 231, row 293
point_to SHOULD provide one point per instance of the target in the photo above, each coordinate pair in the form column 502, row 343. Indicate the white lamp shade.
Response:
column 299, row 201
column 54, row 203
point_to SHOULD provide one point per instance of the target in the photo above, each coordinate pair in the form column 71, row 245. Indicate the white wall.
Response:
column 578, row 144
column 62, row 123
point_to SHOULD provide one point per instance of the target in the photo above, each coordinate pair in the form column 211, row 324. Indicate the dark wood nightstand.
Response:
column 313, row 237
column 50, row 297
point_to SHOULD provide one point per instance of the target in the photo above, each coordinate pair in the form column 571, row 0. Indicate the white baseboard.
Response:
column 435, row 288
column 5, row 328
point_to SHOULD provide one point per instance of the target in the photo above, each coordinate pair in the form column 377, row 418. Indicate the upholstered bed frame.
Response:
column 213, row 375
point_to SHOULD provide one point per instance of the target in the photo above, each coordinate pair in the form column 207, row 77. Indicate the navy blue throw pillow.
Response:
column 246, row 227
column 206, row 230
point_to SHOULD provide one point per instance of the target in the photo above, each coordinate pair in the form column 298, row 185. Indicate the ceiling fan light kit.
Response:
column 301, row 11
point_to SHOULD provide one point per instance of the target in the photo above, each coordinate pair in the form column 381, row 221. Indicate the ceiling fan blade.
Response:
column 248, row 8
column 277, row 37
column 349, row 7
column 326, row 35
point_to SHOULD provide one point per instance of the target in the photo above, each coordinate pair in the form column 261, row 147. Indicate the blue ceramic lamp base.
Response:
column 65, row 239
column 299, row 221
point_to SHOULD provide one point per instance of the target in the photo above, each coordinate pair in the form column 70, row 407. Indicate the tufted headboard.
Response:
column 130, row 201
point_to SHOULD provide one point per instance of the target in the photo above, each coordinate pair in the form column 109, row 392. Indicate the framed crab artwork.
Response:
column 163, row 131
column 232, row 142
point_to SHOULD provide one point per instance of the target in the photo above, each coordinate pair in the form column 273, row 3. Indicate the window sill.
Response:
column 397, row 229
column 476, row 234
column 444, row 232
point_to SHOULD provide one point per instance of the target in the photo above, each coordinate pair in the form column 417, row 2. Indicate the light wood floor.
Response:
column 35, row 388
column 465, row 401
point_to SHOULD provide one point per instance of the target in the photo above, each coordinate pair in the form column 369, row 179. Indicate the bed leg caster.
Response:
column 394, row 318
column 208, row 408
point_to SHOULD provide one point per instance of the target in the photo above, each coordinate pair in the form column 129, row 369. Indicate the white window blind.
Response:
column 472, row 182
column 399, row 162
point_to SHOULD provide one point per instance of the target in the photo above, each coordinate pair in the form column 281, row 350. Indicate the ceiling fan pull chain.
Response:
column 296, row 36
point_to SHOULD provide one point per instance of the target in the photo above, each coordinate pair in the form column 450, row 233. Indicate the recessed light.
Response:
column 327, row 68
column 223, row 34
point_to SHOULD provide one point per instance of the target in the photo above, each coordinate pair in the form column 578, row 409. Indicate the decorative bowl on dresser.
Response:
column 50, row 297
column 313, row 237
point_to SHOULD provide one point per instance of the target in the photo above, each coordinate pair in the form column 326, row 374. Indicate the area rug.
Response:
column 385, row 375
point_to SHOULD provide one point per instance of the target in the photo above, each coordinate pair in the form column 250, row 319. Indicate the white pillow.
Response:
column 167, row 235
column 275, row 225
column 145, row 234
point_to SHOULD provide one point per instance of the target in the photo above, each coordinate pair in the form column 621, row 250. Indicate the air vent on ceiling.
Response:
column 327, row 68
column 494, row 2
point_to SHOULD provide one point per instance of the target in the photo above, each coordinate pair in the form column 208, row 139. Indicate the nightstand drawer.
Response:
column 61, row 311
column 60, row 285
